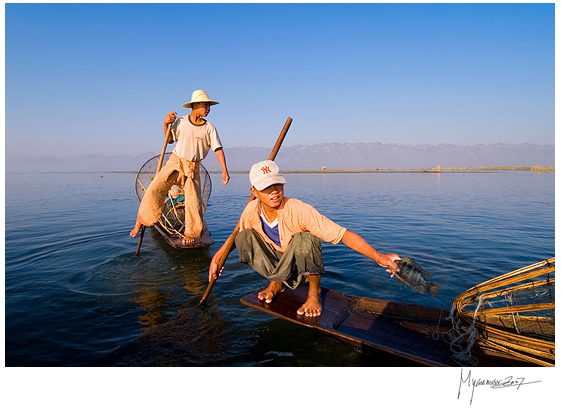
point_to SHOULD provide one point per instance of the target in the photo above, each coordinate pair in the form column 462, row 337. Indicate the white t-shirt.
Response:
column 194, row 141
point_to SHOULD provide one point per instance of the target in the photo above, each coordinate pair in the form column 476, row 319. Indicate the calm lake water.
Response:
column 75, row 294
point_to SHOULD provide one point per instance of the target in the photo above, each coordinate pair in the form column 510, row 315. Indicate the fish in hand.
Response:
column 412, row 274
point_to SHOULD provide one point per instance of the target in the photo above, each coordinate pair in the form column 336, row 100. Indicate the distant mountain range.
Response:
column 330, row 155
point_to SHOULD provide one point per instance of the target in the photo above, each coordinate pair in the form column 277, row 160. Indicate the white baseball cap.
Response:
column 265, row 174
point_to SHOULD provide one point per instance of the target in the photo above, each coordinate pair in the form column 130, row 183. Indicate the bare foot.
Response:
column 312, row 306
column 136, row 229
column 187, row 240
column 274, row 288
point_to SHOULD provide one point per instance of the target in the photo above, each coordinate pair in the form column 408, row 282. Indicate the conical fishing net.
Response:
column 513, row 313
column 173, row 214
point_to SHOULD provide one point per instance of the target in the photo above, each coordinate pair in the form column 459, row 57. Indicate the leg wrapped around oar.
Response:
column 193, row 211
column 150, row 209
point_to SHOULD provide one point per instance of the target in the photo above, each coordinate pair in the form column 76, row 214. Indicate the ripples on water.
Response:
column 76, row 295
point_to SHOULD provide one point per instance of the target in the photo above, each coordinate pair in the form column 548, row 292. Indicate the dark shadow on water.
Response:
column 196, row 337
column 278, row 343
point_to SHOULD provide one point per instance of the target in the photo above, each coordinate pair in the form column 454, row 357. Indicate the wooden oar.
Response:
column 231, row 239
column 160, row 162
column 162, row 154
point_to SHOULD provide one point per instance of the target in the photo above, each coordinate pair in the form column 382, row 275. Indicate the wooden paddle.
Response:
column 160, row 162
column 162, row 154
column 231, row 239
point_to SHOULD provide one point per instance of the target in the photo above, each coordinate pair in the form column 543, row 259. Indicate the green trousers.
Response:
column 302, row 257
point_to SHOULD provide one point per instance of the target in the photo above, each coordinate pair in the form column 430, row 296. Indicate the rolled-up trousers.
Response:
column 302, row 257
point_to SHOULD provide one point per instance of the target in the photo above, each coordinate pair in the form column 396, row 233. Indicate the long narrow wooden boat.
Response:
column 412, row 332
column 171, row 223
column 174, row 240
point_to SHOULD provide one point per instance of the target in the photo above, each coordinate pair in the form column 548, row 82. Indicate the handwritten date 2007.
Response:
column 495, row 383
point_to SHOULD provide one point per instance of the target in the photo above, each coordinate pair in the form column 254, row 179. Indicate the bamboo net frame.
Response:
column 173, row 212
column 513, row 313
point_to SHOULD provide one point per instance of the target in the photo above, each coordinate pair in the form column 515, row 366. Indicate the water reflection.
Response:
column 194, row 337
column 167, row 277
column 151, row 301
column 76, row 293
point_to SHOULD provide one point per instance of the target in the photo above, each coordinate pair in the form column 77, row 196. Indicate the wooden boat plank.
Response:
column 408, row 331
column 175, row 240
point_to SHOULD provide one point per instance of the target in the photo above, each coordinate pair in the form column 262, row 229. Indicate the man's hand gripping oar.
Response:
column 216, row 269
column 167, row 140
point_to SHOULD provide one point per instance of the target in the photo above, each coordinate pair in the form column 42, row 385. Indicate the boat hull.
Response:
column 174, row 240
column 411, row 332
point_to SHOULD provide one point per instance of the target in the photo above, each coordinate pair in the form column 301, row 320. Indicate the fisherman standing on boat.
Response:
column 280, row 238
column 195, row 137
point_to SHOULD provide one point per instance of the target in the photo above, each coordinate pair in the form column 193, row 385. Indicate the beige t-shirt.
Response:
column 194, row 141
column 294, row 216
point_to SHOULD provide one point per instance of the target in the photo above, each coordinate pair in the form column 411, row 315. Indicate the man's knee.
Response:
column 248, row 240
column 245, row 236
column 305, row 242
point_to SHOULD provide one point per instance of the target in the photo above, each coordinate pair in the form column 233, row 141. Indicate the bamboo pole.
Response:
column 229, row 245
column 160, row 162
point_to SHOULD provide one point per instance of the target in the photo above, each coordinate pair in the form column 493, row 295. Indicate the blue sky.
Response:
column 99, row 78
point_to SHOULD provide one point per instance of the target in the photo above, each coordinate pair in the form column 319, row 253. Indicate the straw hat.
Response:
column 199, row 96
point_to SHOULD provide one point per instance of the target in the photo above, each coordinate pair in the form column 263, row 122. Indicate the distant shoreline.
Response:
column 397, row 170
column 449, row 170
column 429, row 170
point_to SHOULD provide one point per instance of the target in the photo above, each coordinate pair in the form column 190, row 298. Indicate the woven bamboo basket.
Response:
column 513, row 313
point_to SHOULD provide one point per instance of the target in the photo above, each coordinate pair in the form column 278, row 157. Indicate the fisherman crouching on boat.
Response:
column 279, row 237
column 195, row 137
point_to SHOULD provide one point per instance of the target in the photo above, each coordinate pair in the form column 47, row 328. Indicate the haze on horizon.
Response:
column 99, row 78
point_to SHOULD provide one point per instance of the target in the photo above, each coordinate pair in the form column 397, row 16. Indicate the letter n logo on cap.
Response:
column 265, row 169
